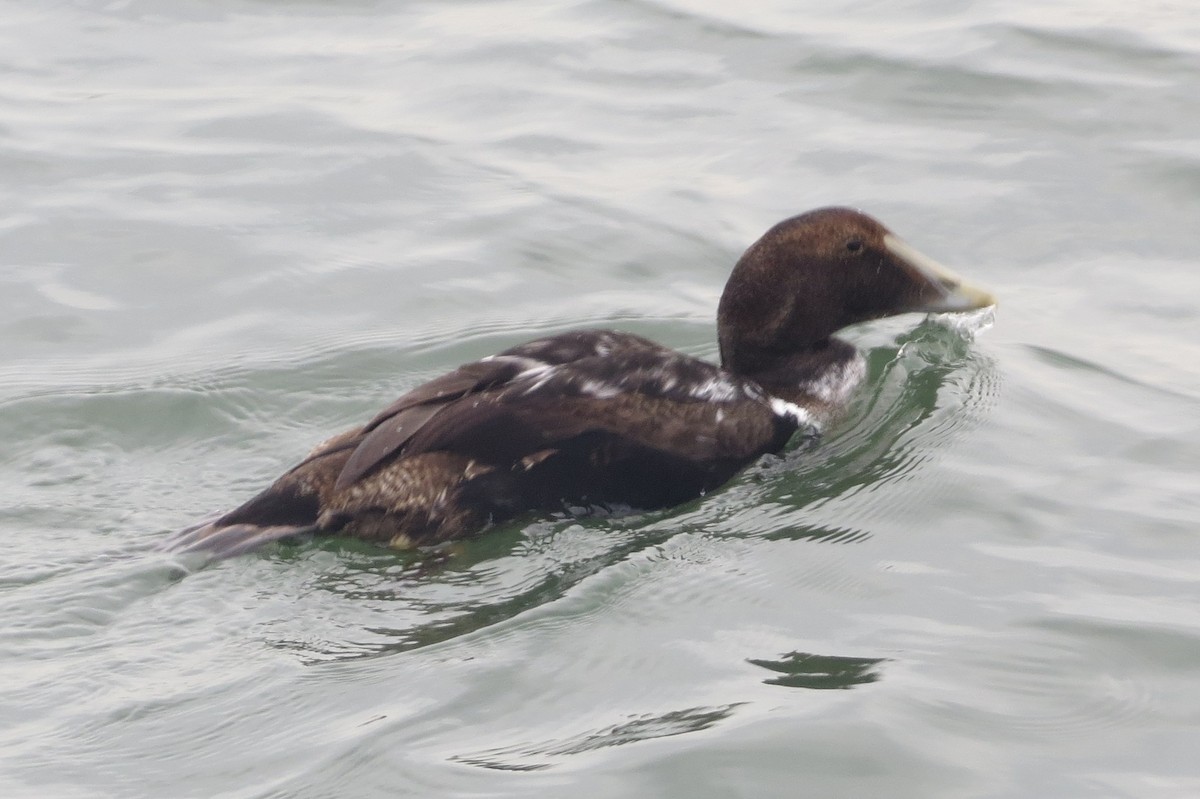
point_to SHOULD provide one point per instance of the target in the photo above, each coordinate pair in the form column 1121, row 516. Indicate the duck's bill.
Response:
column 948, row 292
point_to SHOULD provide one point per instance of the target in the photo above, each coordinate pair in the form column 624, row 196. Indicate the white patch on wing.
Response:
column 836, row 385
column 794, row 412
column 717, row 389
column 536, row 370
column 526, row 363
column 540, row 374
column 599, row 389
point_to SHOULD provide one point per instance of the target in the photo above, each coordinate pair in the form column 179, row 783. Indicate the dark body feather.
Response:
column 596, row 417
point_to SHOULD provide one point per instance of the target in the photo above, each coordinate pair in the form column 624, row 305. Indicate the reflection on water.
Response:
column 643, row 728
column 805, row 670
column 465, row 588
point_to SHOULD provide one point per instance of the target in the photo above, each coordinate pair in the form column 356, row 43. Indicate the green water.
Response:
column 228, row 230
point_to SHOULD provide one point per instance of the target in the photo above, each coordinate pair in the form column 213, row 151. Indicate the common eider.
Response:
column 599, row 417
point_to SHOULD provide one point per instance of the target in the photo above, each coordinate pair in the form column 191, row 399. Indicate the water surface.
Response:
column 228, row 230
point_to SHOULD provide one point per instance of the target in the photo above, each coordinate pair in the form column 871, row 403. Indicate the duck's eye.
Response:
column 854, row 245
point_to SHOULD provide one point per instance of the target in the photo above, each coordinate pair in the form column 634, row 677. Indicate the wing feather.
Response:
column 390, row 430
column 537, row 396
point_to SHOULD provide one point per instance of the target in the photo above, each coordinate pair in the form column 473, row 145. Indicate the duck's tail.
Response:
column 284, row 510
column 222, row 535
column 220, row 541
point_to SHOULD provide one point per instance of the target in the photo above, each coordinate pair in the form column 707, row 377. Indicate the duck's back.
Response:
column 582, row 418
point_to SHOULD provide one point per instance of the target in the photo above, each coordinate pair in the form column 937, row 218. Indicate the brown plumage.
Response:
column 598, row 417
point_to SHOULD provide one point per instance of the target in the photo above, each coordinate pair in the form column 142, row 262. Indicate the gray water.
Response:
column 229, row 229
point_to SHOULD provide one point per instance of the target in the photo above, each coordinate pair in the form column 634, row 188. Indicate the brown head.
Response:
column 816, row 273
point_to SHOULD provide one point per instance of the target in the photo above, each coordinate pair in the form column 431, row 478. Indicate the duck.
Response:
column 600, row 418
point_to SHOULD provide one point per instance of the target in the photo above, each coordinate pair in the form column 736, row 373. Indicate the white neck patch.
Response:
column 835, row 386
column 791, row 410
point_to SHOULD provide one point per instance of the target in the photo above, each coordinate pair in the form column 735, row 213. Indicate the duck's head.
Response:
column 813, row 274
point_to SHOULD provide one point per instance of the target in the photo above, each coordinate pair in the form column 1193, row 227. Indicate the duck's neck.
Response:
column 821, row 375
